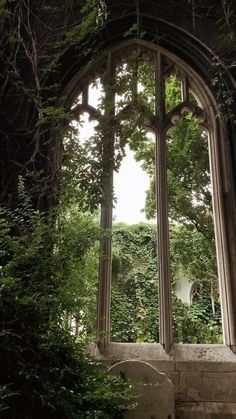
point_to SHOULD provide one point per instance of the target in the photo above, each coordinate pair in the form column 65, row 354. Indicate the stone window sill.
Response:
column 183, row 357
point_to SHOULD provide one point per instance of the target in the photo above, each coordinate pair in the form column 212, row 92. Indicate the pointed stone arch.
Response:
column 193, row 60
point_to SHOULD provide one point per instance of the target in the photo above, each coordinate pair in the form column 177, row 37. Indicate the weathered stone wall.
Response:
column 203, row 376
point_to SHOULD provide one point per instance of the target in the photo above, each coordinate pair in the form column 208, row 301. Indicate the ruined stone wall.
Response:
column 204, row 377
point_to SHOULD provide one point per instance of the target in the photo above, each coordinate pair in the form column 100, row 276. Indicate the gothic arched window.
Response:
column 122, row 76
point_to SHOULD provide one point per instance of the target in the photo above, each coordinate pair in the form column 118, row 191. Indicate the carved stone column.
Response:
column 105, row 274
column 165, row 304
column 105, row 262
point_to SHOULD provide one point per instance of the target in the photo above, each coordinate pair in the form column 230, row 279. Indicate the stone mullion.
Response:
column 85, row 95
column 185, row 89
column 165, row 305
column 223, row 234
column 105, row 262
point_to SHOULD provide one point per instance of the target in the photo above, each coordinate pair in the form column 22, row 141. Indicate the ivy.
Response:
column 135, row 311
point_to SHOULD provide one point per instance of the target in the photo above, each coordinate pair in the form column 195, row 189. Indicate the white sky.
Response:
column 130, row 184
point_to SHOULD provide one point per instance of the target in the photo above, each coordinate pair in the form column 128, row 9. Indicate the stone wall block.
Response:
column 190, row 411
column 220, row 410
column 204, row 386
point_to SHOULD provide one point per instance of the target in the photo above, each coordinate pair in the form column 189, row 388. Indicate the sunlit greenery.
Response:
column 135, row 307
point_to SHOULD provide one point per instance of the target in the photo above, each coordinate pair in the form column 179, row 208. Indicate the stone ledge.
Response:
column 212, row 358
column 183, row 357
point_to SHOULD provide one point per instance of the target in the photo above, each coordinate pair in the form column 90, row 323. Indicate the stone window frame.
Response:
column 221, row 175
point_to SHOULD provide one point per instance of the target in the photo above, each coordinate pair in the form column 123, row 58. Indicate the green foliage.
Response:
column 173, row 93
column 48, row 270
column 194, row 326
column 94, row 15
column 191, row 250
column 45, row 372
column 78, row 252
column 189, row 177
column 48, row 274
column 4, row 11
column 135, row 308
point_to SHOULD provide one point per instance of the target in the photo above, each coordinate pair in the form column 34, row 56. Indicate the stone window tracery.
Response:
column 114, row 105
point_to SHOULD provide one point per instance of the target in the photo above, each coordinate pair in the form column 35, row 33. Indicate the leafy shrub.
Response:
column 44, row 371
